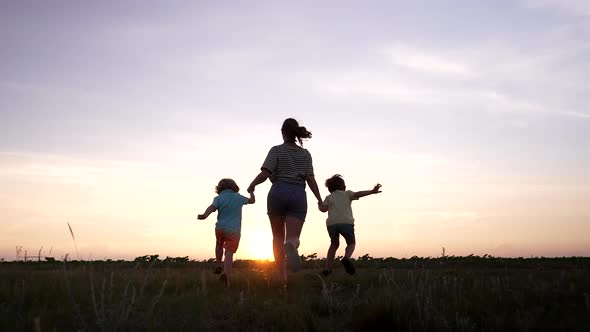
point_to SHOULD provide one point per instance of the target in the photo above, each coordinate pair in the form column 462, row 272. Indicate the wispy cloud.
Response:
column 473, row 99
column 489, row 78
column 366, row 84
column 569, row 7
column 52, row 168
column 421, row 61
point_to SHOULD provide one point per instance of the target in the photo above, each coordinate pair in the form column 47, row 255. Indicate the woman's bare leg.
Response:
column 277, row 223
column 293, row 226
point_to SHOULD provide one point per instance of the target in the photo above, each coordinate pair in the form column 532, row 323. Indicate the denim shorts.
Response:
column 346, row 230
column 287, row 200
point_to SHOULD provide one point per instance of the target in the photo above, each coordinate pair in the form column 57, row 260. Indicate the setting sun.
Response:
column 258, row 245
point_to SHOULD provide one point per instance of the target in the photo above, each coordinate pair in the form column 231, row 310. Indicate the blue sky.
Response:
column 474, row 112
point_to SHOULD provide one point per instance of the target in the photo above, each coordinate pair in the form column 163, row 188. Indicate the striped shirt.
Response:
column 288, row 163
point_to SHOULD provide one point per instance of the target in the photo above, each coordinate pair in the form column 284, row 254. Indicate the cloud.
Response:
column 68, row 170
column 351, row 84
column 421, row 61
column 489, row 77
column 354, row 85
column 568, row 7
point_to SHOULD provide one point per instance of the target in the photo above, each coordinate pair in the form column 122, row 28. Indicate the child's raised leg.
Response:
column 348, row 234
column 230, row 244
column 227, row 263
column 349, row 250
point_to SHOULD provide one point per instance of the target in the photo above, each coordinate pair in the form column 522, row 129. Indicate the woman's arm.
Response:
column 260, row 178
column 313, row 185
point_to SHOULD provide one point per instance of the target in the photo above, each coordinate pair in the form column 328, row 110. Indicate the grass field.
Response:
column 419, row 294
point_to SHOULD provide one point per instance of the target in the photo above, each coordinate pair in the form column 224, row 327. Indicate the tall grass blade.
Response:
column 74, row 238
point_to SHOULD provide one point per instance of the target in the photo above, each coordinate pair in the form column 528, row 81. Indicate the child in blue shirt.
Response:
column 229, row 223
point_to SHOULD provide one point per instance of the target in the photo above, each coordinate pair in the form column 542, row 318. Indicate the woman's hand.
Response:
column 322, row 207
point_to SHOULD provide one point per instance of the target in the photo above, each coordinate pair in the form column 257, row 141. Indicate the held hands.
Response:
column 376, row 189
column 201, row 217
column 250, row 189
column 322, row 207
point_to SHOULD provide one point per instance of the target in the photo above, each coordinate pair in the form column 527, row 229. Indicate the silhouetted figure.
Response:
column 289, row 167
column 340, row 220
column 229, row 224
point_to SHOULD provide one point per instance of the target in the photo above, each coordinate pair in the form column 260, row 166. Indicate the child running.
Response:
column 340, row 220
column 229, row 223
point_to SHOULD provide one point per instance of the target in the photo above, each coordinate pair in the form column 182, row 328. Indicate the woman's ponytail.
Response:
column 292, row 131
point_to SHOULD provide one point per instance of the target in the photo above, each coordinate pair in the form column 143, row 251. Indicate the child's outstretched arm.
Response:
column 364, row 193
column 252, row 199
column 209, row 210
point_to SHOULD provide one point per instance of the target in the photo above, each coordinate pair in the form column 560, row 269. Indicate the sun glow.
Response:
column 258, row 245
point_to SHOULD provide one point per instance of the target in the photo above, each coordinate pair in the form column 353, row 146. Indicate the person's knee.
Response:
column 350, row 240
column 294, row 241
column 335, row 244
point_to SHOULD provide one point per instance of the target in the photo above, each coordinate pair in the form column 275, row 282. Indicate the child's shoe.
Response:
column 218, row 270
column 293, row 259
column 348, row 267
column 326, row 272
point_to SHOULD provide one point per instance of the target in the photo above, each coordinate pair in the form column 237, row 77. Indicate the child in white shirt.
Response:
column 340, row 220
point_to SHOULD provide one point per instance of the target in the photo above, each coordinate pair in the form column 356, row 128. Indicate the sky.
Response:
column 120, row 117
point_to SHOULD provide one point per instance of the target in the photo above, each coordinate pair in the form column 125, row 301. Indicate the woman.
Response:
column 289, row 167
